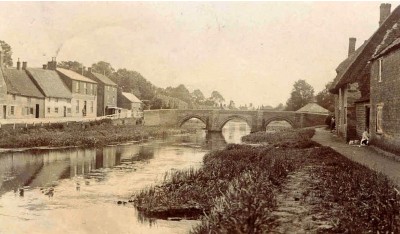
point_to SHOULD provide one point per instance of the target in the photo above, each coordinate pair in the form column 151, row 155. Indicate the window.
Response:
column 14, row 97
column 48, row 110
column 29, row 100
column 95, row 90
column 69, row 110
column 31, row 110
column 379, row 109
column 91, row 107
column 12, row 109
column 56, row 99
column 85, row 88
column 68, row 100
column 49, row 99
column 380, row 62
column 56, row 110
column 77, row 87
column 77, row 106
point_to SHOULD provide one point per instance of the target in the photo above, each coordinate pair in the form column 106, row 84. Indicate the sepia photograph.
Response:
column 200, row 117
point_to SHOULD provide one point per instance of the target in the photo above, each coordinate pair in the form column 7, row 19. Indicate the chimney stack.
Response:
column 89, row 69
column 52, row 65
column 384, row 12
column 18, row 65
column 24, row 65
column 352, row 45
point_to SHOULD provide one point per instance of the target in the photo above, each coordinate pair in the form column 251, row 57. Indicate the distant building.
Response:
column 313, row 107
column 129, row 101
column 19, row 97
column 83, row 89
column 58, row 97
column 106, row 93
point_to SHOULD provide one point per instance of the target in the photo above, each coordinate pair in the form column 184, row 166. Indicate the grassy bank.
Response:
column 236, row 189
column 95, row 134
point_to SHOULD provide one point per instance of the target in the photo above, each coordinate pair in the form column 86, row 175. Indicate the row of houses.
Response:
column 52, row 92
column 367, row 85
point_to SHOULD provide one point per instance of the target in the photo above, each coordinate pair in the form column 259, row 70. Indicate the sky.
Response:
column 251, row 52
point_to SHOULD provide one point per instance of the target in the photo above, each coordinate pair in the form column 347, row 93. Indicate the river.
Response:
column 76, row 190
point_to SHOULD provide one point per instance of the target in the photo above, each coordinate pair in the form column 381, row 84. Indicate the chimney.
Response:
column 44, row 66
column 18, row 65
column 384, row 12
column 89, row 69
column 352, row 45
column 52, row 65
column 24, row 65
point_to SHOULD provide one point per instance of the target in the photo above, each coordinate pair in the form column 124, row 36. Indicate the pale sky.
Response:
column 248, row 51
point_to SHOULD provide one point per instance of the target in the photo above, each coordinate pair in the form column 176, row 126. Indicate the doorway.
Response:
column 65, row 111
column 4, row 112
column 37, row 111
column 84, row 108
column 367, row 113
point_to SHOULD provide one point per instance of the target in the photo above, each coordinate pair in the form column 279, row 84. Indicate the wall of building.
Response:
column 361, row 116
column 54, row 107
column 77, row 105
column 20, row 107
column 387, row 94
column 110, row 96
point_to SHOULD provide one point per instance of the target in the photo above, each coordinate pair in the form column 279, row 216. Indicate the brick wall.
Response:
column 387, row 94
column 361, row 117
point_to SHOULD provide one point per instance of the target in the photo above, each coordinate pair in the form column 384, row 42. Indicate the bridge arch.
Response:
column 186, row 118
column 266, row 122
column 232, row 117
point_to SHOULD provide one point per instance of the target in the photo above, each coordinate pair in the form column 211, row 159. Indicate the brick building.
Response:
column 83, row 89
column 131, row 103
column 352, row 83
column 385, row 90
column 106, row 93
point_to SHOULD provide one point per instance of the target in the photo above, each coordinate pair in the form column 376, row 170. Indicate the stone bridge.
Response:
column 215, row 120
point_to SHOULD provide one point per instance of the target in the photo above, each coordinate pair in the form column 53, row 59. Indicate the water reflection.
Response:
column 56, row 190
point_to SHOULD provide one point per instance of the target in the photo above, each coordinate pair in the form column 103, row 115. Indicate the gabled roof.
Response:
column 19, row 83
column 103, row 79
column 360, row 59
column 74, row 76
column 313, row 108
column 390, row 41
column 50, row 83
column 131, row 97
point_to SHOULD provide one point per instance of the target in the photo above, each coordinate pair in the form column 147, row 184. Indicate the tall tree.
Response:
column 71, row 65
column 302, row 94
column 103, row 68
column 6, row 48
column 217, row 97
column 198, row 96
column 326, row 99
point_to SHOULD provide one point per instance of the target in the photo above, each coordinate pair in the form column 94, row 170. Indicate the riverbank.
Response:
column 95, row 134
column 289, row 183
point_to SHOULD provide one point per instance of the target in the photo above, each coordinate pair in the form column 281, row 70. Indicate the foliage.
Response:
column 302, row 94
column 326, row 99
column 217, row 97
column 103, row 68
column 198, row 96
column 71, row 65
column 6, row 48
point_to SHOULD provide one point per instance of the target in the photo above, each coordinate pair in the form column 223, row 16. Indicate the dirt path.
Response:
column 295, row 212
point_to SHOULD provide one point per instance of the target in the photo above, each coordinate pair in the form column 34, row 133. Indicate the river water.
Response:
column 76, row 190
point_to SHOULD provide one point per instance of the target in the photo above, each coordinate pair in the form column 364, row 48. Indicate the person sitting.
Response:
column 365, row 137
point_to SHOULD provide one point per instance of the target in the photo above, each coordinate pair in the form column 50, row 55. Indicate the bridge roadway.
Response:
column 216, row 119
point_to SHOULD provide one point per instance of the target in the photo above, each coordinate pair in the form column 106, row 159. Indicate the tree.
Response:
column 71, row 65
column 198, row 96
column 6, row 48
column 103, row 68
column 302, row 94
column 326, row 99
column 217, row 97
column 279, row 107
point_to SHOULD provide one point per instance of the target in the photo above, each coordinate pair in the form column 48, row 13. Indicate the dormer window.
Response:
column 380, row 62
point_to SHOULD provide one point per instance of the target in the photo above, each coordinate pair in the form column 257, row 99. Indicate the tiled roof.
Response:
column 389, row 42
column 18, row 82
column 131, row 97
column 104, row 79
column 50, row 83
column 74, row 76
column 356, row 64
column 313, row 108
